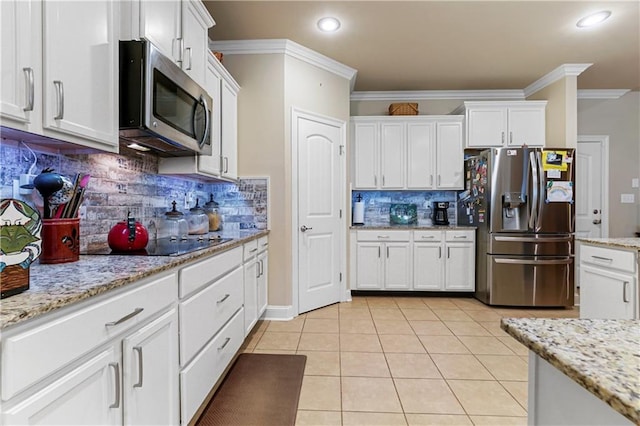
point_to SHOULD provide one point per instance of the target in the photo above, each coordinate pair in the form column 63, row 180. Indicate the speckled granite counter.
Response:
column 54, row 286
column 628, row 243
column 603, row 356
column 374, row 226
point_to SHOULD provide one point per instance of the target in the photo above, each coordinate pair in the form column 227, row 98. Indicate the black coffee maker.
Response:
column 440, row 216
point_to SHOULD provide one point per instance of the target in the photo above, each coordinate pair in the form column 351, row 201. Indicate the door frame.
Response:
column 604, row 164
column 295, row 224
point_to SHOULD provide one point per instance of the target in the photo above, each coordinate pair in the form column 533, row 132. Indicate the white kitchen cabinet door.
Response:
column 87, row 395
column 421, row 155
column 365, row 152
column 460, row 267
column 486, row 126
column 150, row 373
column 80, row 71
column 251, row 271
column 369, row 266
column 449, row 156
column 397, row 268
column 160, row 23
column 526, row 125
column 605, row 294
column 210, row 164
column 229, row 130
column 392, row 155
column 20, row 64
column 263, row 282
column 428, row 267
column 196, row 49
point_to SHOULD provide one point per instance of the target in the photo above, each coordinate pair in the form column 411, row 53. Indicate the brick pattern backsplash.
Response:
column 377, row 203
column 123, row 183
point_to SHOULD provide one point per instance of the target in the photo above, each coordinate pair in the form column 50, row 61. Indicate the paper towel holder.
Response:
column 358, row 211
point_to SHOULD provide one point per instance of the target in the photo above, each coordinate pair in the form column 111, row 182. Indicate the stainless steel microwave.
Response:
column 161, row 108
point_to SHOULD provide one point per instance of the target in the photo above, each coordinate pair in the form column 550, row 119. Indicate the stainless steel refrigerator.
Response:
column 522, row 202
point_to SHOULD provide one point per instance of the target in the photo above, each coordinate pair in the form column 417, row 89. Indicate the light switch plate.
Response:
column 635, row 183
column 627, row 198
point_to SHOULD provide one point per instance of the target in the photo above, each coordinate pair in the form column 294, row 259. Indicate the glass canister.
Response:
column 211, row 208
column 174, row 225
column 198, row 220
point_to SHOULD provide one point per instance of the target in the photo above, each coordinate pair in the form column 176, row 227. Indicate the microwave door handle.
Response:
column 207, row 122
column 534, row 201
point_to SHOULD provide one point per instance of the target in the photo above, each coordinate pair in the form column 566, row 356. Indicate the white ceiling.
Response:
column 450, row 45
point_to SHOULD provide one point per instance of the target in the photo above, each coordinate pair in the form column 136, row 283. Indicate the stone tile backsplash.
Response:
column 121, row 183
column 377, row 203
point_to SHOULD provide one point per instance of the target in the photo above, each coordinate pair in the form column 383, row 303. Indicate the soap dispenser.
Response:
column 358, row 211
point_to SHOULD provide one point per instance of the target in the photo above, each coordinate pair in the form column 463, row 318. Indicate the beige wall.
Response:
column 561, row 112
column 430, row 107
column 271, row 85
column 620, row 120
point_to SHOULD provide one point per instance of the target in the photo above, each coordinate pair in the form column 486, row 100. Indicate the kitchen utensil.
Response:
column 211, row 208
column 64, row 194
column 198, row 220
column 129, row 235
column 174, row 225
column 70, row 209
column 47, row 183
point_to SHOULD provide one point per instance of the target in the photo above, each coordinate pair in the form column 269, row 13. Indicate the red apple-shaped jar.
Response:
column 128, row 235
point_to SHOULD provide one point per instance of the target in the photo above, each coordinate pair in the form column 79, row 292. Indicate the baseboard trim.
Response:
column 279, row 313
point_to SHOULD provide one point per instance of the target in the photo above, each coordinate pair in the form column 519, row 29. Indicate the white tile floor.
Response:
column 406, row 361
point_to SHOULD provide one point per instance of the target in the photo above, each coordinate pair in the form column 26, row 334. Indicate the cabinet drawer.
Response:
column 427, row 236
column 202, row 273
column 203, row 314
column 608, row 258
column 250, row 249
column 197, row 380
column 460, row 236
column 263, row 243
column 36, row 352
column 383, row 236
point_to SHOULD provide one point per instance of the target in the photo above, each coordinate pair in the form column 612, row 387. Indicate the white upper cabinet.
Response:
column 504, row 124
column 195, row 25
column 423, row 152
column 229, row 128
column 60, row 71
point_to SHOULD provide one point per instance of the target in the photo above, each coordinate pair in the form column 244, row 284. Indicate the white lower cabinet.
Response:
column 608, row 283
column 424, row 260
column 255, row 281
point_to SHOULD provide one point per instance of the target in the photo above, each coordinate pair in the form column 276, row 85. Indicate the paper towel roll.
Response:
column 358, row 213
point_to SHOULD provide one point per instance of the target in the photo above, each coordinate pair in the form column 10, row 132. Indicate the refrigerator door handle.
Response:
column 542, row 193
column 534, row 202
column 565, row 261
column 534, row 240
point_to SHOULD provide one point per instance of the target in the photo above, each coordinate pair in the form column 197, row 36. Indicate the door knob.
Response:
column 304, row 228
column 596, row 211
column 597, row 221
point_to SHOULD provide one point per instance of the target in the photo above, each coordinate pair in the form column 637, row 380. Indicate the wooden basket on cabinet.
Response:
column 403, row 109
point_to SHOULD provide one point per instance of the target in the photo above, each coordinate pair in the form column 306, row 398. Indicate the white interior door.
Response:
column 319, row 225
column 591, row 184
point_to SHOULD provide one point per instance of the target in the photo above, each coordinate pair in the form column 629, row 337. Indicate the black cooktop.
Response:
column 166, row 247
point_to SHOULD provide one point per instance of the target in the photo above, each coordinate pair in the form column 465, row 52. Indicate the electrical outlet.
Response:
column 635, row 183
column 627, row 198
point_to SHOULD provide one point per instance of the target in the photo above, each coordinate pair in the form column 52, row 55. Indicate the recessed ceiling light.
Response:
column 593, row 19
column 328, row 24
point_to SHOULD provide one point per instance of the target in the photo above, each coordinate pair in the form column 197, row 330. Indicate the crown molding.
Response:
column 565, row 70
column 286, row 47
column 425, row 95
column 602, row 93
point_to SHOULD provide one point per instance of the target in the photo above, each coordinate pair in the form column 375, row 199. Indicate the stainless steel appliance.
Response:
column 440, row 215
column 521, row 200
column 161, row 108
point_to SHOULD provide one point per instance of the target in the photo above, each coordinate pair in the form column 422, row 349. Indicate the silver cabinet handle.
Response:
column 261, row 268
column 226, row 164
column 375, row 180
column 439, row 252
column 253, row 250
column 430, row 180
column 226, row 342
column 606, row 259
column 180, row 41
column 138, row 349
column 502, row 138
column 28, row 74
column 597, row 221
column 460, row 236
column 303, row 228
column 125, row 318
column 510, row 138
column 257, row 269
column 382, row 180
column 60, row 94
column 378, row 252
column 265, row 244
column 427, row 237
column 383, row 237
column 116, row 372
column 387, row 252
column 188, row 49
column 625, row 296
column 226, row 296
column 448, row 252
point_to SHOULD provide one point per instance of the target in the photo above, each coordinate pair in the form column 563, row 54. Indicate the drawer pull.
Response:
column 226, row 296
column 383, row 237
column 124, row 318
column 116, row 373
column 138, row 349
column 265, row 244
column 460, row 236
column 253, row 250
column 226, row 342
column 625, row 296
column 424, row 237
column 606, row 259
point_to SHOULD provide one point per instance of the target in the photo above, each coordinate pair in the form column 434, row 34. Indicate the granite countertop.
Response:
column 57, row 285
column 603, row 356
column 411, row 226
column 627, row 243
